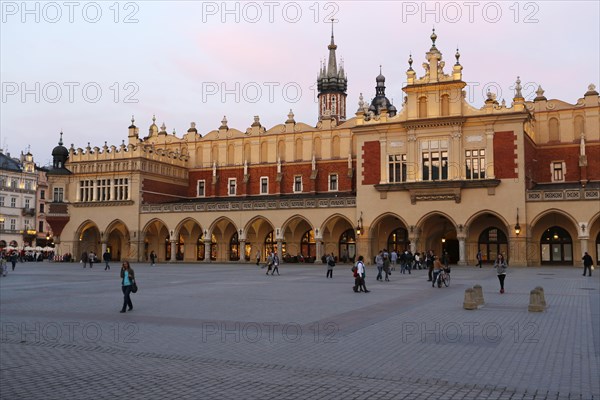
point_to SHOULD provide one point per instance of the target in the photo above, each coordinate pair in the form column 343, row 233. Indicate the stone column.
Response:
column 242, row 251
column 279, row 252
column 104, row 246
column 173, row 251
column 583, row 243
column 414, row 240
column 207, row 244
column 461, row 250
column 319, row 244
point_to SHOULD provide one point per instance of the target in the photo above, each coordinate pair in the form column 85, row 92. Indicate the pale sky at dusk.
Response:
column 81, row 68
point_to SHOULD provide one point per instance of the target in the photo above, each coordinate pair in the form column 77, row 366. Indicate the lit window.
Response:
column 232, row 186
column 58, row 195
column 201, row 188
column 396, row 168
column 333, row 182
column 475, row 164
column 297, row 184
column 558, row 171
column 264, row 185
column 434, row 158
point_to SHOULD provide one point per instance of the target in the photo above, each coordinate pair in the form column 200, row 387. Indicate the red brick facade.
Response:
column 505, row 158
column 286, row 186
column 161, row 192
column 539, row 159
column 371, row 168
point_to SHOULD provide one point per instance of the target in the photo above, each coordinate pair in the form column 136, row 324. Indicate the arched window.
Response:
column 317, row 148
column 553, row 130
column 230, row 155
column 247, row 153
column 333, row 105
column 298, row 149
column 347, row 246
column 422, row 107
column 264, row 152
column 445, row 100
column 556, row 246
column 281, row 150
column 335, row 146
column 271, row 244
column 215, row 154
column 234, row 248
column 180, row 248
column 201, row 248
column 398, row 240
column 308, row 246
column 492, row 242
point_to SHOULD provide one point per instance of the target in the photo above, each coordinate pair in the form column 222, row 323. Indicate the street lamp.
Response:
column 359, row 226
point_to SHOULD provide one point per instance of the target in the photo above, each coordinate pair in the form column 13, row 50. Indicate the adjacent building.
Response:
column 435, row 173
column 22, row 190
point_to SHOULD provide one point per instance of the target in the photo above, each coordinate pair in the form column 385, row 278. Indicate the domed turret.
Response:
column 60, row 155
column 380, row 101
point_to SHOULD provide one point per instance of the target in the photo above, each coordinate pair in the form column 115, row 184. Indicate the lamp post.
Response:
column 359, row 227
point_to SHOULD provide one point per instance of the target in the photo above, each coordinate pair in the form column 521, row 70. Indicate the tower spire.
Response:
column 332, row 64
column 332, row 84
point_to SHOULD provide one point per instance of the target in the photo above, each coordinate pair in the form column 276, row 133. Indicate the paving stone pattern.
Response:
column 223, row 331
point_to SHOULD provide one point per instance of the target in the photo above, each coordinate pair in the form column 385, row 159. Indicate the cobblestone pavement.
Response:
column 221, row 331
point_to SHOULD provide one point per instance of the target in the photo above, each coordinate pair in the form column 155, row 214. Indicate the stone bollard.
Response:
column 535, row 304
column 470, row 303
column 542, row 296
column 478, row 294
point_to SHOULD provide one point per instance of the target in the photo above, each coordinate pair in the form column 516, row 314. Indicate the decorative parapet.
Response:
column 436, row 190
column 563, row 195
column 245, row 205
column 103, row 203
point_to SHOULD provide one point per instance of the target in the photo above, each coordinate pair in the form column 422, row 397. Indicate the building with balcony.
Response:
column 436, row 173
column 19, row 186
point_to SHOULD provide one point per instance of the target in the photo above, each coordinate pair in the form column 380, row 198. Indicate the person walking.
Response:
column 361, row 271
column 275, row 264
column 501, row 266
column 269, row 263
column 479, row 259
column 152, row 258
column 429, row 258
column 587, row 263
column 386, row 265
column 330, row 265
column 13, row 260
column 106, row 257
column 257, row 257
column 127, row 279
column 394, row 259
column 379, row 265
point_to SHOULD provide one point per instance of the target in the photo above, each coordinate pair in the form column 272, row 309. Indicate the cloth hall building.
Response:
column 437, row 173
